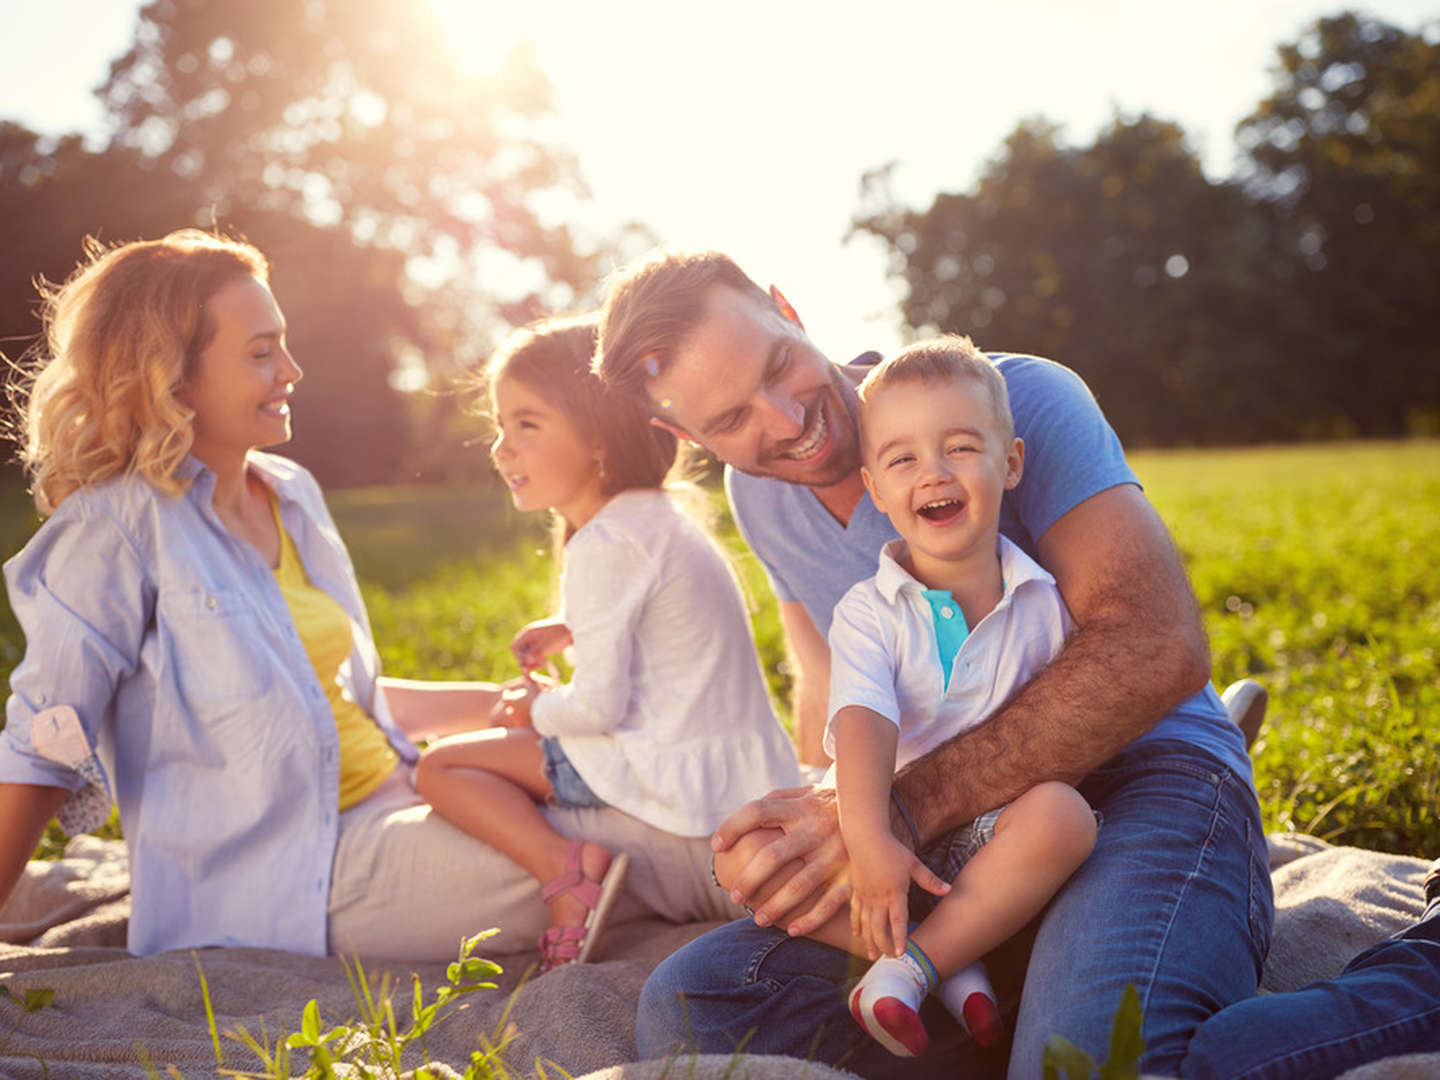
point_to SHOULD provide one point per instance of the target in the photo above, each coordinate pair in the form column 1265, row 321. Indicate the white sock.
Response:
column 980, row 1016
column 901, row 984
column 898, row 977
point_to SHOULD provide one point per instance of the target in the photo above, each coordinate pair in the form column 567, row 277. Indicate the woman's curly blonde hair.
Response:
column 97, row 399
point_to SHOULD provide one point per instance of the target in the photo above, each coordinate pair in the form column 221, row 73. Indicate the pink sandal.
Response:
column 574, row 944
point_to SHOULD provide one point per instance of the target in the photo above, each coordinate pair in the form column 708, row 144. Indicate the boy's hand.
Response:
column 881, row 872
column 539, row 639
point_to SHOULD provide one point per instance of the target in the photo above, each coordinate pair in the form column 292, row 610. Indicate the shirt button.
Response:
column 210, row 602
column 947, row 613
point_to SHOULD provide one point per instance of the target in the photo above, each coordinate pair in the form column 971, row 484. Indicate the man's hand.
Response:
column 809, row 819
column 538, row 640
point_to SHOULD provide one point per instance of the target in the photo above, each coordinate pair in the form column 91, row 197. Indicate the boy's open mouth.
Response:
column 941, row 511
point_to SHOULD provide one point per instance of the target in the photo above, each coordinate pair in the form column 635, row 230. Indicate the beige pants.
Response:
column 408, row 884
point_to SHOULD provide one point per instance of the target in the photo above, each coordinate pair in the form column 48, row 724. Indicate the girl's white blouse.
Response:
column 667, row 717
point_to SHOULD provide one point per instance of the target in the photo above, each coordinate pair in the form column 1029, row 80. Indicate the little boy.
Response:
column 956, row 619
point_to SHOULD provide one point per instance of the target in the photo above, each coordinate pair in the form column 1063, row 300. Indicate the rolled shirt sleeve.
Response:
column 83, row 604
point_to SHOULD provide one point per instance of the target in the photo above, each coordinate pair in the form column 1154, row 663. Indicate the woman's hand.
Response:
column 538, row 640
column 513, row 708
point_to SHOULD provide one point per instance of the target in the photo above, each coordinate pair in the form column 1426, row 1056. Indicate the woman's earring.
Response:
column 600, row 467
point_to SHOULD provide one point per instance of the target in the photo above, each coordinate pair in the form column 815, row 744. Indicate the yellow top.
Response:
column 366, row 756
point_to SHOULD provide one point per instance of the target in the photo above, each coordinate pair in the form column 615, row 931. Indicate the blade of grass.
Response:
column 209, row 1011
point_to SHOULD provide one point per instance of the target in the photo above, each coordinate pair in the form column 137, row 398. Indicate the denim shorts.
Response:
column 569, row 787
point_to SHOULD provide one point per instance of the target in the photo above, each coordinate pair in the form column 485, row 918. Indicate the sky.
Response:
column 746, row 126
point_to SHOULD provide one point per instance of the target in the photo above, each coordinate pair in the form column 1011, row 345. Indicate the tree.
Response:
column 396, row 194
column 55, row 192
column 353, row 114
column 1120, row 259
column 1346, row 151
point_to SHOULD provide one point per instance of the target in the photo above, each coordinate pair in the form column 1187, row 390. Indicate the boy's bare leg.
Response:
column 1040, row 839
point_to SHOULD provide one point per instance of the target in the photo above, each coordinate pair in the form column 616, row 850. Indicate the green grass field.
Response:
column 1312, row 565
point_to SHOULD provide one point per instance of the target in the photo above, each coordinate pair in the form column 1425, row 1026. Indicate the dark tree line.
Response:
column 394, row 194
column 397, row 197
column 1291, row 301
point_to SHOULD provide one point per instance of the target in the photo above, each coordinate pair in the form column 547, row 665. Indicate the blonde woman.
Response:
column 197, row 650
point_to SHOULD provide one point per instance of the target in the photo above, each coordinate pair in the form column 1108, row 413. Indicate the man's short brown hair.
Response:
column 653, row 309
column 941, row 359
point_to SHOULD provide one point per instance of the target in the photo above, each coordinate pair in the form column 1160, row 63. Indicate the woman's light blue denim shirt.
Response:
column 170, row 638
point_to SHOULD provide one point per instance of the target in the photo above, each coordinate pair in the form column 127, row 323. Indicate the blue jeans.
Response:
column 1386, row 1001
column 1175, row 899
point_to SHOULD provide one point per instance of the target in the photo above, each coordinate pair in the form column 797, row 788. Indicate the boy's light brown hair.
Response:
column 653, row 309
column 937, row 360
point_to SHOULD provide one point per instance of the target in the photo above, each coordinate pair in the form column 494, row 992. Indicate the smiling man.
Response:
column 1175, row 899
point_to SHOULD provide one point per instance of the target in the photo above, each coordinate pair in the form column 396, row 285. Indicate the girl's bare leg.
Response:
column 489, row 784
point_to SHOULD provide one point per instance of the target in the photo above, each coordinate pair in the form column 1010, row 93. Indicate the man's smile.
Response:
column 810, row 441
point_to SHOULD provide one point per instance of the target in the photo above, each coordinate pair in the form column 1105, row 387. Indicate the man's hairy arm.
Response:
column 810, row 681
column 1138, row 649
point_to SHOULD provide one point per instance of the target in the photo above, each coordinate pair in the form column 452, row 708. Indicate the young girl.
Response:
column 666, row 716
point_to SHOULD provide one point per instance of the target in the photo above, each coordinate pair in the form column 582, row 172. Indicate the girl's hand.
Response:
column 513, row 707
column 879, row 902
column 539, row 639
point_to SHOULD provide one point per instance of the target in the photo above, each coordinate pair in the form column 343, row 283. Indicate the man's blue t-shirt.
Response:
column 1071, row 453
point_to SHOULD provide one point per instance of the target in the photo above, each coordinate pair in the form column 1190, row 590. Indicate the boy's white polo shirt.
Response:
column 883, row 653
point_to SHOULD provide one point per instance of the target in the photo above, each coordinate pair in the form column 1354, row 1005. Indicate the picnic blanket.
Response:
column 64, row 930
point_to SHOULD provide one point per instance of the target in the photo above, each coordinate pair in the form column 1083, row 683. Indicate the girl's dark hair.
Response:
column 553, row 358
